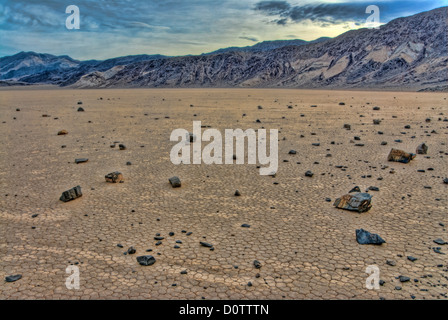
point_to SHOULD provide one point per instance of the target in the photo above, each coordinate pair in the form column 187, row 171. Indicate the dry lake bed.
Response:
column 305, row 247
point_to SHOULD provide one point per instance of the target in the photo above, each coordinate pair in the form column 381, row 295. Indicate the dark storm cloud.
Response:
column 253, row 39
column 327, row 13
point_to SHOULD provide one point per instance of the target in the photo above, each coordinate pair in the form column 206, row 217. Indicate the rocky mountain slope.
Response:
column 407, row 53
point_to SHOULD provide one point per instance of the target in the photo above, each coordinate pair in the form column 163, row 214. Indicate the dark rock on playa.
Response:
column 257, row 264
column 62, row 132
column 122, row 146
column 292, row 152
column 237, row 193
column 422, row 149
column 114, row 177
column 71, row 194
column 13, row 278
column 355, row 189
column 131, row 250
column 175, row 182
column 440, row 241
column 359, row 202
column 81, row 160
column 146, row 260
column 206, row 244
column 80, row 109
column 400, row 156
column 404, row 279
column 309, row 174
column 445, row 181
column 365, row 237
column 245, row 225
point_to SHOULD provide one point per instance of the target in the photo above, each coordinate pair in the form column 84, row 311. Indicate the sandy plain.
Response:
column 307, row 248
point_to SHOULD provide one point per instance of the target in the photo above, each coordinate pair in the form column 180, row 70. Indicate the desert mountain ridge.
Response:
column 406, row 53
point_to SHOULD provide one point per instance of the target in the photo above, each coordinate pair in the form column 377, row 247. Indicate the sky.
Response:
column 113, row 28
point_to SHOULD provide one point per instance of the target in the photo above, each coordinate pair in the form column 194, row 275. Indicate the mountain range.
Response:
column 406, row 53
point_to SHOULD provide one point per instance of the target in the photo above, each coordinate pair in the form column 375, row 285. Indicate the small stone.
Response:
column 237, row 193
column 114, row 177
column 440, row 241
column 412, row 259
column 175, row 182
column 309, row 173
column 131, row 250
column 257, row 264
column 62, row 132
column 80, row 109
column 404, row 279
column 146, row 260
column 13, row 278
column 355, row 189
column 422, row 149
column 292, row 152
column 245, row 225
column 391, row 263
column 206, row 244
column 81, row 160
column 122, row 146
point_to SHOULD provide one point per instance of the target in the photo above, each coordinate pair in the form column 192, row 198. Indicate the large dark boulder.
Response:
column 365, row 237
column 146, row 260
column 71, row 194
column 359, row 202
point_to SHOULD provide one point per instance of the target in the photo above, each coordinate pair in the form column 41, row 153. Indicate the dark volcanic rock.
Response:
column 245, row 225
column 71, row 194
column 206, row 244
column 175, row 182
column 365, row 237
column 122, row 146
column 440, row 241
column 80, row 109
column 309, row 173
column 131, row 250
column 81, row 160
column 359, row 202
column 13, row 278
column 292, row 152
column 146, row 260
column 422, row 149
column 257, row 264
column 237, row 193
column 355, row 189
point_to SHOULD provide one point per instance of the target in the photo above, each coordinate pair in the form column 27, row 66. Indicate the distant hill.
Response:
column 268, row 45
column 406, row 53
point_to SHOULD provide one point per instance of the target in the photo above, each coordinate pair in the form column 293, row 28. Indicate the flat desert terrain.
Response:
column 307, row 248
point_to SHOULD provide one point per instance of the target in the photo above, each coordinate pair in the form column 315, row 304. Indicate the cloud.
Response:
column 326, row 13
column 273, row 7
column 253, row 39
column 147, row 26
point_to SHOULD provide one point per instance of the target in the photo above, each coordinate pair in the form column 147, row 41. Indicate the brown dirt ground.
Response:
column 307, row 248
